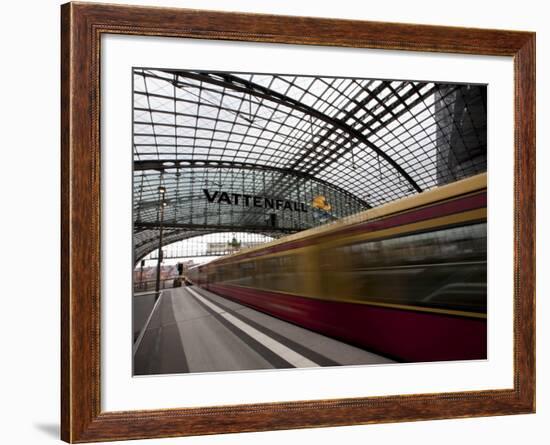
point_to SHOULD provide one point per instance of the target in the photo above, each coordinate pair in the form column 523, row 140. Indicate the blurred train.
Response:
column 407, row 280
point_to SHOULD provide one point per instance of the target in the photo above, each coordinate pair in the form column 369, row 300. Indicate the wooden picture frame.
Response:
column 82, row 26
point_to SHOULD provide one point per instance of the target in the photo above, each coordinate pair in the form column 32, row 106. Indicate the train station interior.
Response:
column 239, row 165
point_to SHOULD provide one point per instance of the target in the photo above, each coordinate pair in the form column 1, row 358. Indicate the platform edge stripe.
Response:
column 267, row 354
column 281, row 350
column 305, row 351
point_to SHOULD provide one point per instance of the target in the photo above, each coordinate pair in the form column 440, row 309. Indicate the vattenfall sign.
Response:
column 254, row 201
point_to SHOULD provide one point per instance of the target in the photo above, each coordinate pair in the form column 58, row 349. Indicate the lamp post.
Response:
column 162, row 204
column 141, row 275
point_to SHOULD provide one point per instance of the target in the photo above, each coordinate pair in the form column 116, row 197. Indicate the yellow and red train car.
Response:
column 407, row 280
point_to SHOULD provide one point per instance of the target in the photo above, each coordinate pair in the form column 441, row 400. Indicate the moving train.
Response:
column 407, row 280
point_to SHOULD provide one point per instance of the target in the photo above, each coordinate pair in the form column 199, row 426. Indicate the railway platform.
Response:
column 194, row 330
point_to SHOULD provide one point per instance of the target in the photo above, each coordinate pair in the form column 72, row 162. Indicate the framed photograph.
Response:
column 276, row 222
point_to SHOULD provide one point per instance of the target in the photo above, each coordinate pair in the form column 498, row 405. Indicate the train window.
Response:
column 446, row 268
column 441, row 245
column 246, row 268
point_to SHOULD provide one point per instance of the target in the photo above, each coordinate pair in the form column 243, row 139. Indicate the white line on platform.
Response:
column 281, row 350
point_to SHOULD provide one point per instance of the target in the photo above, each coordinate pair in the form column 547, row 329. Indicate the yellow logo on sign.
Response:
column 320, row 202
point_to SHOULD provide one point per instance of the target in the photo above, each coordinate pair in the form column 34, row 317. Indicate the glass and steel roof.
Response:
column 358, row 142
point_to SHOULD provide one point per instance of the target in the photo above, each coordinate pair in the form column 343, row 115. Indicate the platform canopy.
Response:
column 332, row 145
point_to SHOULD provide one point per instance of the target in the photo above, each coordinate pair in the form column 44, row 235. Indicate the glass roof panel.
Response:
column 367, row 140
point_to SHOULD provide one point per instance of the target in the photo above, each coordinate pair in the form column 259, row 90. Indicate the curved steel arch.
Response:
column 167, row 164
